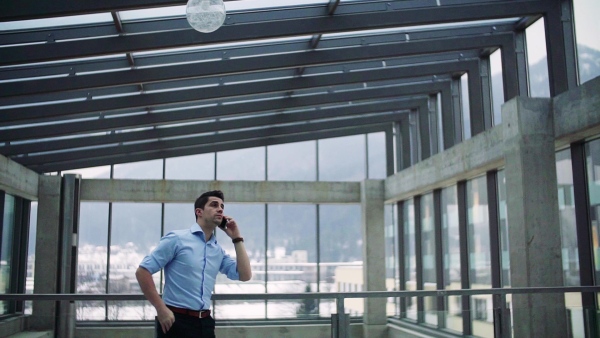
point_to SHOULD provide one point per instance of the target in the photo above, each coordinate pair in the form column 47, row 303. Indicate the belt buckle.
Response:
column 201, row 313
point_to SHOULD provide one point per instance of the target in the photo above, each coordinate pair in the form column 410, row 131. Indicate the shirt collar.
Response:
column 195, row 228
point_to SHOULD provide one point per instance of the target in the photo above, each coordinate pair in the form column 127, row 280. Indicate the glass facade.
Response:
column 592, row 150
column 410, row 258
column 586, row 14
column 537, row 60
column 428, row 251
column 281, row 239
column 451, row 257
column 6, row 246
column 480, row 269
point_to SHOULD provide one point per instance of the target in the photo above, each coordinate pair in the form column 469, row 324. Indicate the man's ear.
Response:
column 198, row 212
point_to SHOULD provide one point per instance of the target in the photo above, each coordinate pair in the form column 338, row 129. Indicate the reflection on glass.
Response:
column 497, row 85
column 92, row 258
column 342, row 159
column 586, row 13
column 291, row 257
column 292, row 162
column 341, row 255
column 537, row 60
column 135, row 231
column 194, row 167
column 451, row 252
column 428, row 256
column 410, row 257
column 6, row 255
column 139, row 170
column 478, row 230
column 241, row 164
column 377, row 155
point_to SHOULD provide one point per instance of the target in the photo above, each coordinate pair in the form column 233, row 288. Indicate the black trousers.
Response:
column 188, row 327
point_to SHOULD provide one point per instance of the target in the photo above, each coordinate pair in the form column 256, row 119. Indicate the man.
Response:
column 191, row 259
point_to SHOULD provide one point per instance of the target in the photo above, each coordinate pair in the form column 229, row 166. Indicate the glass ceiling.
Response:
column 87, row 78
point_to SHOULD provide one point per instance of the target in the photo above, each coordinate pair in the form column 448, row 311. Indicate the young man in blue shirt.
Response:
column 191, row 259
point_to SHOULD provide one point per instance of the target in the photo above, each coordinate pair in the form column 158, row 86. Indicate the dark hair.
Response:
column 201, row 201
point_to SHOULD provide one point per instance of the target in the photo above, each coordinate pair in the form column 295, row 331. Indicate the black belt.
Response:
column 197, row 314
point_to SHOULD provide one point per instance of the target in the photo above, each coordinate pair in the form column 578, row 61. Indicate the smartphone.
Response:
column 223, row 224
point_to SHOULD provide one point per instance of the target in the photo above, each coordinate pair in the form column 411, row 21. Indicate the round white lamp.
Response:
column 205, row 15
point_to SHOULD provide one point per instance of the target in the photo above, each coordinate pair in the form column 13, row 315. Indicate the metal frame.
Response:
column 384, row 43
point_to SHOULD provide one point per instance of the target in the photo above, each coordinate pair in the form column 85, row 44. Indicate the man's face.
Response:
column 212, row 212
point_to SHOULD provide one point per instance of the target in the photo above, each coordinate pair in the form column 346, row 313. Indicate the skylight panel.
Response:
column 153, row 13
column 263, row 4
column 56, row 22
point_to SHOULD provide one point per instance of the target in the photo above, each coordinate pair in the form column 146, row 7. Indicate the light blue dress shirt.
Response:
column 191, row 265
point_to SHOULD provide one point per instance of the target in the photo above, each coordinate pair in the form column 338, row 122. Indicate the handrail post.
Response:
column 343, row 322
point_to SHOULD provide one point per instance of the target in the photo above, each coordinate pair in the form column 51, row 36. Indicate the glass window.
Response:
column 251, row 219
column 377, row 155
column 241, row 164
column 291, row 257
column 478, row 230
column 341, row 254
column 592, row 150
column 139, row 170
column 428, row 256
column 31, row 254
column 410, row 257
column 195, row 167
column 566, row 210
column 391, row 256
column 6, row 252
column 497, row 85
column 135, row 231
column 537, row 61
column 504, row 242
column 342, row 159
column 466, row 106
column 451, row 257
column 292, row 162
column 92, row 258
column 94, row 172
column 568, row 234
column 586, row 14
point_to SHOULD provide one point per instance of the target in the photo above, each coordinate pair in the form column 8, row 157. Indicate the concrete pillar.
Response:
column 373, row 233
column 533, row 219
column 46, row 250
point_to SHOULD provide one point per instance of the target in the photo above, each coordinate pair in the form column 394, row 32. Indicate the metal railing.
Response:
column 340, row 324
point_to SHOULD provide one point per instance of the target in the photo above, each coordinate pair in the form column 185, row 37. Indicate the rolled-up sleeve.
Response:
column 229, row 267
column 162, row 254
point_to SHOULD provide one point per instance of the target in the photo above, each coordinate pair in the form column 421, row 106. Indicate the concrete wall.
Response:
column 17, row 180
column 174, row 191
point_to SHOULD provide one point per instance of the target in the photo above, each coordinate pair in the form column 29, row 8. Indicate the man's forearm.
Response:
column 243, row 262
column 148, row 287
